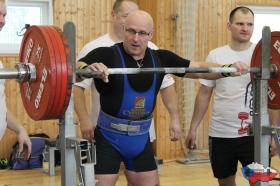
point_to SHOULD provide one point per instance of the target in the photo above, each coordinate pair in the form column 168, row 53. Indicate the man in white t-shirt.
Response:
column 7, row 119
column 228, row 138
column 121, row 9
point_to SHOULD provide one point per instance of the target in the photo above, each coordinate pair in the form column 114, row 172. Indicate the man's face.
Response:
column 3, row 13
column 126, row 8
column 242, row 27
column 137, row 34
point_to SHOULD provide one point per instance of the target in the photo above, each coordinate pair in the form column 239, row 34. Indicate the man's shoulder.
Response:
column 220, row 49
column 102, row 41
column 216, row 53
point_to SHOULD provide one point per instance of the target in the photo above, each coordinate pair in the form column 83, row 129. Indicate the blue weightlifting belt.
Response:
column 123, row 126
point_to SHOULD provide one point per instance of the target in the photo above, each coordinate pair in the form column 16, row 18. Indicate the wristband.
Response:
column 226, row 66
column 83, row 66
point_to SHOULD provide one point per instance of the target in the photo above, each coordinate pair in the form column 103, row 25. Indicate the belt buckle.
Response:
column 119, row 127
column 125, row 127
column 133, row 128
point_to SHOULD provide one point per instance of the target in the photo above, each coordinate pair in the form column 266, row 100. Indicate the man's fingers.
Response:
column 175, row 135
column 100, row 67
column 242, row 68
column 20, row 147
column 190, row 144
column 27, row 151
column 193, row 146
column 88, row 136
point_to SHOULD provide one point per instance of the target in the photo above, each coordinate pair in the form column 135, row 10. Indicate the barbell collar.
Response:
column 27, row 72
column 22, row 72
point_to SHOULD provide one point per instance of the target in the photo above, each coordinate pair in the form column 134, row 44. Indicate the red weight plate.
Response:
column 38, row 96
column 53, row 110
column 69, row 63
column 59, row 109
column 274, row 81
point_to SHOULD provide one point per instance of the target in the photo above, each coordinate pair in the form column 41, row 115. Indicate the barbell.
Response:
column 45, row 72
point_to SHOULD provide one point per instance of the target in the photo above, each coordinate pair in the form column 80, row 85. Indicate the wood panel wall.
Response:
column 200, row 27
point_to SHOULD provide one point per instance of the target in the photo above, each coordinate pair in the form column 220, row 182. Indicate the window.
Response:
column 19, row 13
column 265, row 16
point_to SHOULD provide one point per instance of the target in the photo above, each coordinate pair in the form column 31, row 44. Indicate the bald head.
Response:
column 138, row 32
column 121, row 9
column 140, row 18
column 118, row 4
column 3, row 13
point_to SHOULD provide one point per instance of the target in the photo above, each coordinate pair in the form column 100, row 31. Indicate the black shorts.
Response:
column 108, row 159
column 226, row 152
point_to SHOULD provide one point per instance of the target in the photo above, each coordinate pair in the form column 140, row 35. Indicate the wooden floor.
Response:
column 171, row 174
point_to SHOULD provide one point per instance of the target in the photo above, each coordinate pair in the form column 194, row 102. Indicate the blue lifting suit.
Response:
column 132, row 100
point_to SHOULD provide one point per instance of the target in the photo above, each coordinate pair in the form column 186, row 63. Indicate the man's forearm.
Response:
column 80, row 103
column 13, row 123
column 170, row 101
column 201, row 105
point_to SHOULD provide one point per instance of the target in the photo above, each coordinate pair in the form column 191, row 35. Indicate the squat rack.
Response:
column 70, row 144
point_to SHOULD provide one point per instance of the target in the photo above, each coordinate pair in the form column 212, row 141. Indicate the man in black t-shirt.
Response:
column 127, row 101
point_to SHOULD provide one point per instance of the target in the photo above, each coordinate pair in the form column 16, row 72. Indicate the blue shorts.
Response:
column 109, row 158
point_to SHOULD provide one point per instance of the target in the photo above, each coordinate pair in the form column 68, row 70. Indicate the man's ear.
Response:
column 151, row 34
column 229, row 26
column 113, row 14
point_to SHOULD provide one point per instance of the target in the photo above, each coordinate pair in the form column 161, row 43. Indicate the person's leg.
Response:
column 229, row 181
column 142, row 170
column 108, row 161
column 245, row 150
column 106, row 179
column 127, row 178
column 223, row 160
column 149, row 178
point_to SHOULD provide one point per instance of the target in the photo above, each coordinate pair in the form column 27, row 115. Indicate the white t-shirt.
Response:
column 3, row 108
column 230, row 116
column 106, row 41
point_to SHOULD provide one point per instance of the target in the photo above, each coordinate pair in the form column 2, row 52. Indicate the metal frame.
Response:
column 261, row 128
column 67, row 128
column 260, row 117
column 70, row 145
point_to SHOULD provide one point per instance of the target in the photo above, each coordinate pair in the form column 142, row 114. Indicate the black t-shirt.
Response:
column 111, row 94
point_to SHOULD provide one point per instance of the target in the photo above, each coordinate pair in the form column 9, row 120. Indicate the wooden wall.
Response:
column 200, row 27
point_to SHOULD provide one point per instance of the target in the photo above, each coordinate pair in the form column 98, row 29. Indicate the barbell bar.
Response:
column 45, row 72
column 89, row 73
column 23, row 72
column 27, row 72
